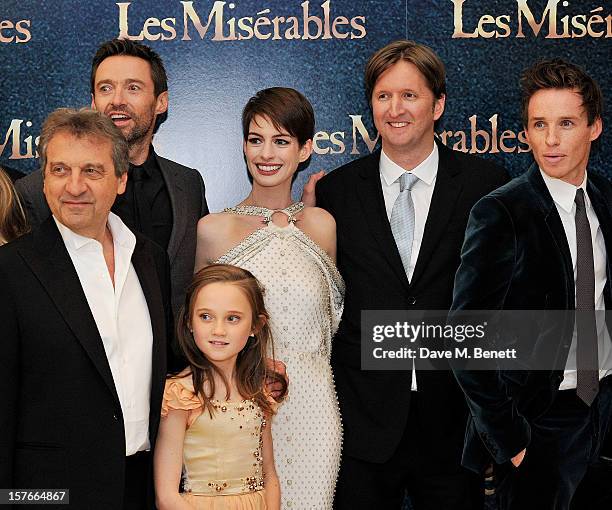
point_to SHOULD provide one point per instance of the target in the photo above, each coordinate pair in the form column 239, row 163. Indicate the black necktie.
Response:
column 587, row 384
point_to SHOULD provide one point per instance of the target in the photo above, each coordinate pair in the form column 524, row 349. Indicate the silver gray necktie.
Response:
column 402, row 218
column 587, row 380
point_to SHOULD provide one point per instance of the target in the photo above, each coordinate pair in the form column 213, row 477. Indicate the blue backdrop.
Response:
column 219, row 53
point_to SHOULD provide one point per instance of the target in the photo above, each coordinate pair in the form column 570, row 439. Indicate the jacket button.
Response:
column 115, row 417
column 411, row 300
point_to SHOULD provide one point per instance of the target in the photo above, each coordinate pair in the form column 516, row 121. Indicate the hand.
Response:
column 275, row 388
column 308, row 196
column 517, row 459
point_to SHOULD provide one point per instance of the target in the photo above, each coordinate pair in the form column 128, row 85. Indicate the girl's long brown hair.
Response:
column 251, row 367
column 12, row 216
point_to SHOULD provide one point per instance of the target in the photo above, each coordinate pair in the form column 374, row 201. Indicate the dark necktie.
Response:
column 587, row 384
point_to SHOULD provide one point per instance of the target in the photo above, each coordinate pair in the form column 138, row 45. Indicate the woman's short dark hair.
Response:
column 286, row 108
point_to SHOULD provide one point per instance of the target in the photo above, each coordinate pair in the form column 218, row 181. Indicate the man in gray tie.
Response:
column 541, row 243
column 401, row 214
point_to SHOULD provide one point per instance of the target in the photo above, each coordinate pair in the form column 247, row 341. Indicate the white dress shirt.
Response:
column 564, row 194
column 422, row 191
column 122, row 317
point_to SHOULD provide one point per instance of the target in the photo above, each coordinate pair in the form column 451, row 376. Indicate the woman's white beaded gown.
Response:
column 304, row 295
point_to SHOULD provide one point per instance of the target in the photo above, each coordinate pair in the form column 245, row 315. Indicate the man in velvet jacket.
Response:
column 401, row 432
column 84, row 308
column 525, row 249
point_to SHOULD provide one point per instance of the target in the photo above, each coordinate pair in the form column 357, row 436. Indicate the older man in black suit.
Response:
column 84, row 308
column 163, row 199
column 401, row 214
column 542, row 242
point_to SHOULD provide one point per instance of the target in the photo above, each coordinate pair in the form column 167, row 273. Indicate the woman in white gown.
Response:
column 291, row 250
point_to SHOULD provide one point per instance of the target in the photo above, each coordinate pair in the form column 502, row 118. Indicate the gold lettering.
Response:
column 458, row 32
column 19, row 26
column 6, row 25
column 190, row 14
column 124, row 32
column 476, row 133
column 592, row 21
column 358, row 126
column 276, row 22
column 326, row 33
column 523, row 139
column 506, row 135
column 337, row 139
column 293, row 32
column 310, row 19
column 320, row 136
column 340, row 20
column 461, row 144
column 361, row 29
column 14, row 135
column 151, row 23
column 486, row 20
column 581, row 27
column 550, row 12
column 262, row 21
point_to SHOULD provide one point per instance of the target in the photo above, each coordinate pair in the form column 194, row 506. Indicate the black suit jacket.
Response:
column 516, row 257
column 375, row 404
column 61, row 425
column 187, row 199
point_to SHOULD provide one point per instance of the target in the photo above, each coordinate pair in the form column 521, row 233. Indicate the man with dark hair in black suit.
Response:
column 542, row 242
column 401, row 214
column 163, row 199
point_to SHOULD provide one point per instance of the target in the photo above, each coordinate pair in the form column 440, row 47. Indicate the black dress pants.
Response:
column 366, row 485
column 138, row 492
column 565, row 441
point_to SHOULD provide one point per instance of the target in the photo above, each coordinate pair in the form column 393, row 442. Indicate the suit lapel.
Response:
column 176, row 192
column 375, row 215
column 144, row 265
column 53, row 267
column 602, row 210
column 555, row 227
column 446, row 191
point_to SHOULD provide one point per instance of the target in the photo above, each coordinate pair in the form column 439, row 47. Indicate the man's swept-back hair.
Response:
column 557, row 73
column 423, row 58
column 84, row 123
column 118, row 47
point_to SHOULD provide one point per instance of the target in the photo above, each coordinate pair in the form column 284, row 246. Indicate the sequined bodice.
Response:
column 222, row 454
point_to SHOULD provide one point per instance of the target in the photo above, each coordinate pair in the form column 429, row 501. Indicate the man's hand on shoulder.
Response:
column 308, row 195
column 518, row 459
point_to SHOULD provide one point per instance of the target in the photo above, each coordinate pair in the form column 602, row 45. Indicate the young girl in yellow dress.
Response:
column 215, row 430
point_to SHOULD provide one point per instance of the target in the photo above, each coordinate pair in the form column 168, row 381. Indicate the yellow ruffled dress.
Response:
column 222, row 455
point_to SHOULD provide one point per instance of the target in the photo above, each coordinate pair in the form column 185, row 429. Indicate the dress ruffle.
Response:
column 250, row 501
column 180, row 395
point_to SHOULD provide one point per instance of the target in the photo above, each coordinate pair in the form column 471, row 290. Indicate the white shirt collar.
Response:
column 564, row 193
column 122, row 235
column 426, row 170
